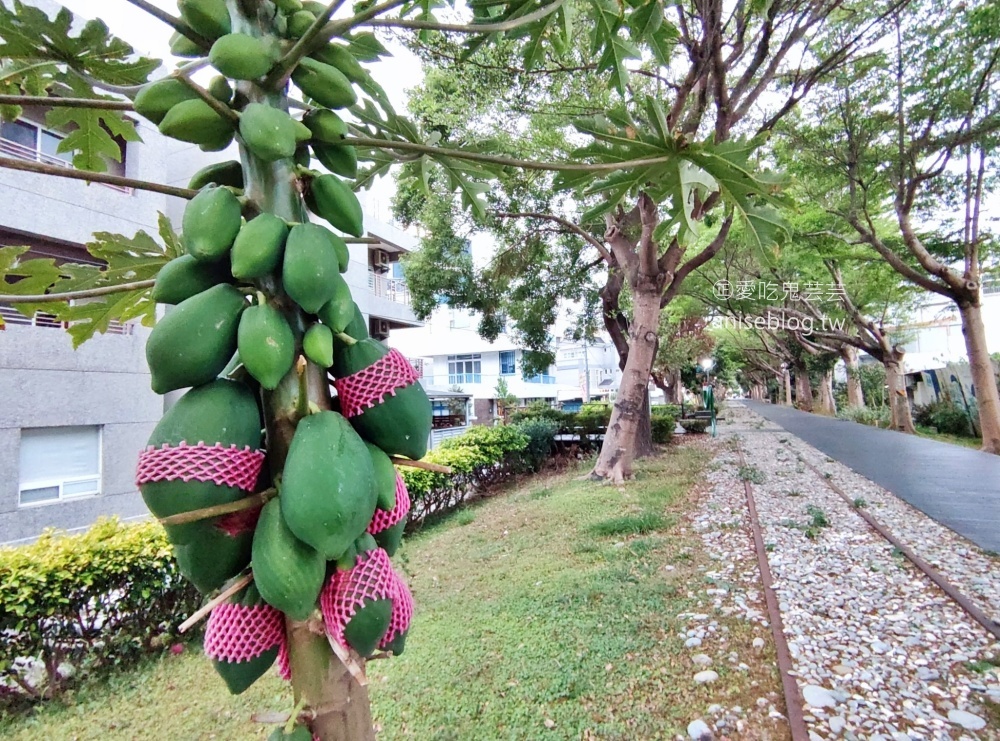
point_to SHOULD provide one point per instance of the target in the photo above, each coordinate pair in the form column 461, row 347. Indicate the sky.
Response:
column 151, row 37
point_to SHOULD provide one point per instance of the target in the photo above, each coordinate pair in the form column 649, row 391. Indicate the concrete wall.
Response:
column 48, row 384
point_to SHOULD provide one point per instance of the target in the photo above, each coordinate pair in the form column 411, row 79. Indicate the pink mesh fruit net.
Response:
column 346, row 592
column 384, row 520
column 371, row 385
column 402, row 611
column 237, row 523
column 284, row 664
column 239, row 633
column 201, row 462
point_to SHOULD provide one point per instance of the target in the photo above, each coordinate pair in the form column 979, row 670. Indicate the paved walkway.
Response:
column 957, row 486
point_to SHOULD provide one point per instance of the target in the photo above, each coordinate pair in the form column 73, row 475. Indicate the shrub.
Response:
column 948, row 417
column 593, row 418
column 664, row 421
column 539, row 410
column 878, row 417
column 541, row 433
column 697, row 426
column 73, row 605
column 479, row 458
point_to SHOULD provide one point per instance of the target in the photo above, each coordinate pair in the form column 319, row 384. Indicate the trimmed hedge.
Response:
column 479, row 458
column 73, row 605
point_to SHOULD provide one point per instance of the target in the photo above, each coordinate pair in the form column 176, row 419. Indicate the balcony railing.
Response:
column 393, row 289
column 13, row 317
column 21, row 152
column 545, row 379
column 457, row 378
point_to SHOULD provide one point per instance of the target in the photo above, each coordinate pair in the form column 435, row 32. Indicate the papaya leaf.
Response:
column 645, row 20
column 90, row 136
column 662, row 43
column 460, row 180
column 365, row 47
column 765, row 226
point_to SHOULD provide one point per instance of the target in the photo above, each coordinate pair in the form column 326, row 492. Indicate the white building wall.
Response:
column 936, row 328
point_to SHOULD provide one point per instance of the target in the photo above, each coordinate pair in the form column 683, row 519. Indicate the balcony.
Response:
column 19, row 151
column 543, row 379
column 391, row 289
column 12, row 317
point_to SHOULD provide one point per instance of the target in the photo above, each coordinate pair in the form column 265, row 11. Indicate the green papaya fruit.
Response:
column 317, row 344
column 195, row 122
column 212, row 220
column 397, row 645
column 299, row 733
column 389, row 540
column 184, row 277
column 220, row 89
column 364, row 543
column 315, row 8
column 288, row 573
column 327, row 492
column 338, row 312
column 331, row 199
column 222, row 412
column 218, row 143
column 182, row 46
column 325, row 125
column 325, row 84
column 240, row 676
column 356, row 328
column 242, row 57
column 193, row 343
column 401, row 424
column 298, row 23
column 340, row 57
column 288, row 6
column 228, row 173
column 258, row 247
column 302, row 158
column 340, row 159
column 311, row 267
column 266, row 344
column 347, row 560
column 155, row 100
column 268, row 132
column 385, row 477
column 210, row 18
column 366, row 629
column 302, row 133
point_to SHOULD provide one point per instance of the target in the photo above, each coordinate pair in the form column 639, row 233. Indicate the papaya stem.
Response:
column 175, row 23
column 99, row 104
column 474, row 28
column 255, row 500
column 302, row 406
column 424, row 465
column 346, row 339
column 294, row 717
column 214, row 103
column 51, row 298
column 278, row 77
column 60, row 171
column 228, row 592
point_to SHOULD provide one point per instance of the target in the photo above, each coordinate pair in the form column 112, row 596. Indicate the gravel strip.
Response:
column 880, row 652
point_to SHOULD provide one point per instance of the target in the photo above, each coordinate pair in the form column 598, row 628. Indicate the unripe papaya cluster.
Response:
column 253, row 295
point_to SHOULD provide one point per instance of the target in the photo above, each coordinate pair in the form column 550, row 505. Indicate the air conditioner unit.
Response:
column 380, row 259
column 379, row 329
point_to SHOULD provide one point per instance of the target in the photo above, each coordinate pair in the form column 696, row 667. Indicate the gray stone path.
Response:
column 956, row 486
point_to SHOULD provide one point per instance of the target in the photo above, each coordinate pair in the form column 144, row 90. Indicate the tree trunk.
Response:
column 803, row 390
column 618, row 451
column 644, row 431
column 987, row 397
column 339, row 705
column 827, row 404
column 855, row 394
column 787, row 378
column 902, row 418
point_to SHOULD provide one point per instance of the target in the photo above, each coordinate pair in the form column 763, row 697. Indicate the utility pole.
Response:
column 586, row 371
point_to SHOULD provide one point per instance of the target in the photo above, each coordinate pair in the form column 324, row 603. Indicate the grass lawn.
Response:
column 545, row 611
column 967, row 442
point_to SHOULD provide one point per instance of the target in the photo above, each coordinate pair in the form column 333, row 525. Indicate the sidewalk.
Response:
column 956, row 486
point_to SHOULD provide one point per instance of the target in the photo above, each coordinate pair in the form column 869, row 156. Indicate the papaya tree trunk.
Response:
column 336, row 704
column 855, row 394
column 618, row 451
column 899, row 405
column 981, row 367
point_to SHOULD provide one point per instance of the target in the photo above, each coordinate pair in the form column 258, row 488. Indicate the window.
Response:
column 465, row 369
column 59, row 463
column 507, row 363
column 27, row 140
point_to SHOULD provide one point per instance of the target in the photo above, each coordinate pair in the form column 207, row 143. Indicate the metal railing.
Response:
column 21, row 152
column 393, row 289
column 13, row 317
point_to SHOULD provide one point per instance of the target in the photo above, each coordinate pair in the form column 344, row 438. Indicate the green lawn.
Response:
column 967, row 442
column 545, row 610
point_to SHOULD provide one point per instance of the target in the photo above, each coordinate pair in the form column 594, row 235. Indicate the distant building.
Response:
column 587, row 370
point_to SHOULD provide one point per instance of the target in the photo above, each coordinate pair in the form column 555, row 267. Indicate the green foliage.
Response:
column 93, row 601
column 697, row 426
column 539, row 410
column 119, row 260
column 541, row 434
column 647, row 522
column 663, row 419
column 873, row 417
column 948, row 417
column 752, row 474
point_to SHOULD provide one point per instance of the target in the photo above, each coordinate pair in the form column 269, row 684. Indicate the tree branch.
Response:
column 361, row 141
column 210, row 100
column 95, row 177
column 697, row 261
column 283, row 69
column 52, row 298
column 175, row 23
column 54, row 102
column 590, row 239
column 476, row 28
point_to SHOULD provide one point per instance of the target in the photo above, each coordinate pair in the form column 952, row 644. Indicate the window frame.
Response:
column 61, row 482
column 471, row 365
column 513, row 363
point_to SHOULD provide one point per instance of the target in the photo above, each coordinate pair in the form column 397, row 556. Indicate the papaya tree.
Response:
column 688, row 101
column 281, row 499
